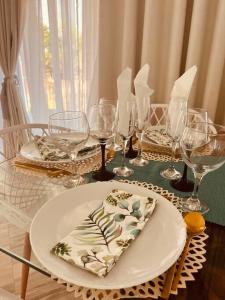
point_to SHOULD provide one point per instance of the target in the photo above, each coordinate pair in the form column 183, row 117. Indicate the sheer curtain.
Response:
column 58, row 63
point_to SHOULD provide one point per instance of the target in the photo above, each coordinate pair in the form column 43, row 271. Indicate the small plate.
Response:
column 152, row 253
column 31, row 152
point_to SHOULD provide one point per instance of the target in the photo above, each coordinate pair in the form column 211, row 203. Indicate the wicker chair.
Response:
column 158, row 114
column 14, row 207
column 13, row 138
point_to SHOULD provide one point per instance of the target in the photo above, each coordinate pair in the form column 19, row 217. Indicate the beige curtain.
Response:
column 12, row 17
column 170, row 35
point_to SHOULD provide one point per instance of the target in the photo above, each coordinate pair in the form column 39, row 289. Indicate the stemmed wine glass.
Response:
column 203, row 150
column 69, row 131
column 183, row 184
column 175, row 124
column 125, row 128
column 102, row 125
column 113, row 146
column 141, row 124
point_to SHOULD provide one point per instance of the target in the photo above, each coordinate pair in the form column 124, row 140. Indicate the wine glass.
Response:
column 69, row 131
column 113, row 146
column 141, row 124
column 125, row 128
column 183, row 184
column 102, row 126
column 203, row 150
column 175, row 124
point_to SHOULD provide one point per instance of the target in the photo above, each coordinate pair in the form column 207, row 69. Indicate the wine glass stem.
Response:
column 198, row 179
column 113, row 141
column 124, row 151
column 130, row 144
column 73, row 157
column 174, row 143
column 103, row 156
column 184, row 175
column 140, row 145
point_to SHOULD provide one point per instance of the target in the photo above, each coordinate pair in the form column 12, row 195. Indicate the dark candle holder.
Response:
column 103, row 174
column 183, row 184
column 131, row 153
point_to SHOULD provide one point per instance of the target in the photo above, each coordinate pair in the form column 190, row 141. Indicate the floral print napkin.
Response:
column 49, row 151
column 98, row 242
column 159, row 136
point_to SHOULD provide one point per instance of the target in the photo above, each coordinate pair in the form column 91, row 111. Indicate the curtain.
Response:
column 58, row 64
column 12, row 17
column 170, row 35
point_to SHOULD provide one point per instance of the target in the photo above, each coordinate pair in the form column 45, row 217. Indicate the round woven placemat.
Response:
column 193, row 262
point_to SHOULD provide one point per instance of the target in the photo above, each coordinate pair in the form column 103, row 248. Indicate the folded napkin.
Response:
column 124, row 95
column 158, row 136
column 143, row 93
column 176, row 118
column 182, row 86
column 177, row 108
column 49, row 151
column 98, row 242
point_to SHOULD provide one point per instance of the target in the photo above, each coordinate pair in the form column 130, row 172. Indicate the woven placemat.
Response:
column 194, row 261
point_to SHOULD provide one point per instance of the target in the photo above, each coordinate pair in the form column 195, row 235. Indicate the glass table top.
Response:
column 22, row 193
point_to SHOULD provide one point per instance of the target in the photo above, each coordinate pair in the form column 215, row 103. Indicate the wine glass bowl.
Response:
column 69, row 131
column 184, row 184
column 196, row 115
column 203, row 150
column 175, row 123
column 112, row 145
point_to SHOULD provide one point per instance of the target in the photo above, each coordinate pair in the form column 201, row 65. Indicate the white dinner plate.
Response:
column 31, row 152
column 153, row 252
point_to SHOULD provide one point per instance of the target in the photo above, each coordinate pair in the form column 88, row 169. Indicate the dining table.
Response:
column 24, row 191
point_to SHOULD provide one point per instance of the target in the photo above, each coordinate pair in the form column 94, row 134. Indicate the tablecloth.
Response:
column 212, row 188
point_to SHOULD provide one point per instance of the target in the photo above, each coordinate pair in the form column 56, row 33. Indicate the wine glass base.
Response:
column 74, row 181
column 131, row 153
column 187, row 205
column 182, row 185
column 103, row 175
column 170, row 174
column 123, row 171
column 139, row 162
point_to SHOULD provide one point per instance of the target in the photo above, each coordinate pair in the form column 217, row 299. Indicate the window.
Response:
column 57, row 67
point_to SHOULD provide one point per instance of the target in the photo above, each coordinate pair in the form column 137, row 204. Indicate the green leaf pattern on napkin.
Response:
column 61, row 248
column 100, row 239
column 97, row 229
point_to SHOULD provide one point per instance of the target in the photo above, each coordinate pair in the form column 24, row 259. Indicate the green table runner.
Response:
column 212, row 188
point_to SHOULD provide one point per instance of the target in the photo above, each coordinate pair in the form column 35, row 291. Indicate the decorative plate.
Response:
column 31, row 152
column 153, row 252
